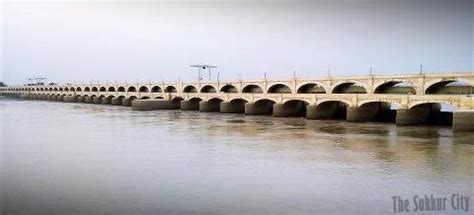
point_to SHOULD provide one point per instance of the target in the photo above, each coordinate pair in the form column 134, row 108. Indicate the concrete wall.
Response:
column 154, row 104
column 97, row 100
column 189, row 105
column 227, row 107
column 212, row 106
column 289, row 109
column 127, row 102
column 463, row 121
column 106, row 101
column 116, row 101
column 258, row 108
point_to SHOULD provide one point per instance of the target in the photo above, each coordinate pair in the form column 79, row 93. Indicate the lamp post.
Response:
column 203, row 67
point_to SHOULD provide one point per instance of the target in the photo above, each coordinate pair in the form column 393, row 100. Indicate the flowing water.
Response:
column 65, row 158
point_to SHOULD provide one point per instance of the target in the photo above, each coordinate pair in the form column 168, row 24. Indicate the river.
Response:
column 67, row 158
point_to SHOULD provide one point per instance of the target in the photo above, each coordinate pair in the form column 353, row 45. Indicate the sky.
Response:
column 83, row 41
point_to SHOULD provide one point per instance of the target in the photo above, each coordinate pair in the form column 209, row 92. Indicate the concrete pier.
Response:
column 154, row 104
column 88, row 99
column 258, row 108
column 289, row 109
column 360, row 114
column 79, row 99
column 70, row 99
column 414, row 116
column 209, row 106
column 228, row 107
column 189, row 105
column 127, row 102
column 463, row 121
column 106, row 100
column 97, row 100
column 116, row 101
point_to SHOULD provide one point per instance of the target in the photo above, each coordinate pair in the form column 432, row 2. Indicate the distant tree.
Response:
column 2, row 84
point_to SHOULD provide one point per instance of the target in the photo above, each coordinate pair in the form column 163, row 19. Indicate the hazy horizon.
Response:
column 155, row 40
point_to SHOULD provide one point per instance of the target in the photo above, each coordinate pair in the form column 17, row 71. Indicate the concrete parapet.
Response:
column 189, row 105
column 154, row 104
column 227, row 107
column 463, row 121
column 258, row 109
column 209, row 106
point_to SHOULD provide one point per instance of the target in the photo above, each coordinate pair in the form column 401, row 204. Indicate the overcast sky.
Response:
column 155, row 40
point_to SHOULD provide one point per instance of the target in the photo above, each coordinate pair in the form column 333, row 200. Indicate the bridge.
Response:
column 415, row 99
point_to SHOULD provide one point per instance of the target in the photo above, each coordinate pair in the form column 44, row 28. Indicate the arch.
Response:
column 450, row 87
column 238, row 100
column 378, row 111
column 279, row 88
column 170, row 89
column 143, row 89
column 208, row 89
column 50, row 89
column 72, row 89
column 228, row 88
column 55, row 89
column 236, row 105
column 190, row 89
column 191, row 104
column 261, row 107
column 211, row 105
column 60, row 89
column 132, row 89
column 432, row 113
column 121, row 89
column 195, row 99
column 332, row 109
column 177, row 99
column 111, row 89
column 102, row 89
column 311, row 88
column 66, row 89
column 352, row 87
column 156, row 89
column 78, row 89
column 145, row 97
column 94, row 89
column 132, row 98
column 291, row 108
column 395, row 87
column 159, row 97
column 87, row 89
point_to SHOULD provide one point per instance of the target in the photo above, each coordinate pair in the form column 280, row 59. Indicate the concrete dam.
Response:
column 416, row 99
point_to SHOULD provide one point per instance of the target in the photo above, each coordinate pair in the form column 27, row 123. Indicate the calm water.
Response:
column 60, row 158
